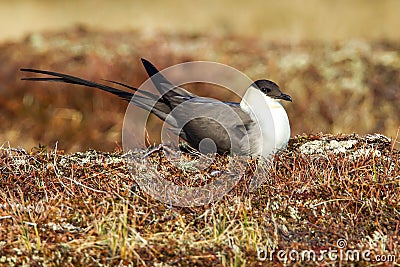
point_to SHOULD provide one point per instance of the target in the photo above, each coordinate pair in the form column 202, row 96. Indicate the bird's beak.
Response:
column 285, row 97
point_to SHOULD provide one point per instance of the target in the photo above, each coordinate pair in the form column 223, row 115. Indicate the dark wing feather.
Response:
column 162, row 84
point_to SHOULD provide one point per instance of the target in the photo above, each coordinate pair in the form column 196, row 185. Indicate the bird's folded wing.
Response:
column 162, row 84
column 227, row 125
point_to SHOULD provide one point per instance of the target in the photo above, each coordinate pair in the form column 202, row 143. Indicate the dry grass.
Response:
column 342, row 87
column 84, row 208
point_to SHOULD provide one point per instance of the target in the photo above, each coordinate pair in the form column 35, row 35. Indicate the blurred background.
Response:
column 339, row 60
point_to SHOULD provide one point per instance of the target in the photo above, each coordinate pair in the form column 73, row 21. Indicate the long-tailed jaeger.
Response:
column 253, row 133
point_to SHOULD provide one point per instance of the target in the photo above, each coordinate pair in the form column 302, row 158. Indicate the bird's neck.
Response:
column 256, row 104
column 256, row 100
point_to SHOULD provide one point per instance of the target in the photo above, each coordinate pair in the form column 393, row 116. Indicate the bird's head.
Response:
column 271, row 90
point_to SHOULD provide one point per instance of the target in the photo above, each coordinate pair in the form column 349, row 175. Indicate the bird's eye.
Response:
column 266, row 90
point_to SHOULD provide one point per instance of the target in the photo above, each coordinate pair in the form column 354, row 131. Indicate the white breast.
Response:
column 272, row 120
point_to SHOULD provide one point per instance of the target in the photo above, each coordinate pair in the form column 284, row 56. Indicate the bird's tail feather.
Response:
column 150, row 103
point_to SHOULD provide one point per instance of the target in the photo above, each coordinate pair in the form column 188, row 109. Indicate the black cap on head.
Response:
column 271, row 89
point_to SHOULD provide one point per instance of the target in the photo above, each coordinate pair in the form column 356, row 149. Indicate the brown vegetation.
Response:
column 344, row 87
column 84, row 209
